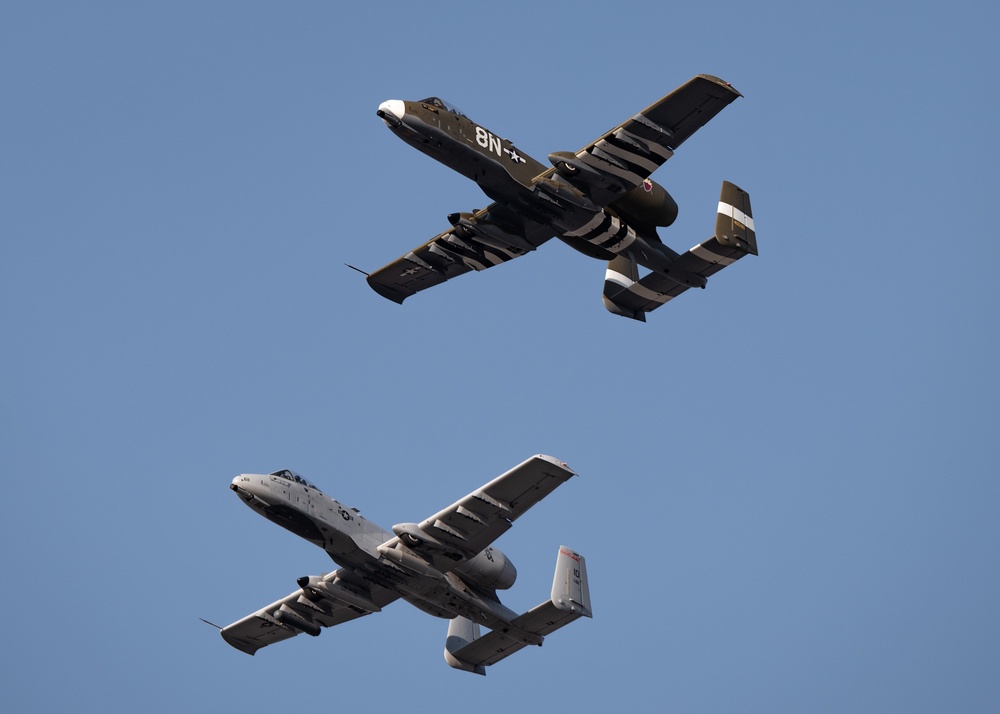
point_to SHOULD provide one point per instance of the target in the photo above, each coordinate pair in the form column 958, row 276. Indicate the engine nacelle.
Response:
column 648, row 204
column 490, row 569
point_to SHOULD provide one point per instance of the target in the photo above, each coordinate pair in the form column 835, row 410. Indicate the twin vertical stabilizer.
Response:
column 570, row 599
column 629, row 295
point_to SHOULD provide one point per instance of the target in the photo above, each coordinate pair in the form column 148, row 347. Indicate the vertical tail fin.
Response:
column 734, row 224
column 462, row 632
column 622, row 274
column 570, row 589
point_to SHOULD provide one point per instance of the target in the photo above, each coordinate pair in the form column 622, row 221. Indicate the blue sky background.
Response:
column 788, row 488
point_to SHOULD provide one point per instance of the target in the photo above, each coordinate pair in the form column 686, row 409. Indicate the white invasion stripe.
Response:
column 645, row 293
column 458, row 242
column 589, row 226
column 632, row 140
column 624, row 243
column 598, row 152
column 605, row 167
column 705, row 254
column 417, row 260
column 659, row 149
column 613, row 276
column 500, row 251
column 616, row 226
column 604, row 235
column 628, row 156
column 493, row 257
column 733, row 212
column 489, row 252
column 454, row 257
column 643, row 120
column 496, row 250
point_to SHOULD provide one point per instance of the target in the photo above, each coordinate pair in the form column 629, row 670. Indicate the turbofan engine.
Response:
column 648, row 204
column 490, row 569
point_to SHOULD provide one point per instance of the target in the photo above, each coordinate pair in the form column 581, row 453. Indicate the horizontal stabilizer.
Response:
column 626, row 294
column 570, row 600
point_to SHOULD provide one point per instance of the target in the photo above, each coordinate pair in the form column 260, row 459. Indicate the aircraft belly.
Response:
column 448, row 597
column 351, row 542
column 295, row 521
column 432, row 595
column 496, row 179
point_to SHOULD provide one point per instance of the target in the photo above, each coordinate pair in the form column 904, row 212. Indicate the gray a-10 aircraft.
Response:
column 445, row 565
column 599, row 200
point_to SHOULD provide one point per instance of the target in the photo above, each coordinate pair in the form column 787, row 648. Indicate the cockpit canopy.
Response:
column 292, row 476
column 442, row 104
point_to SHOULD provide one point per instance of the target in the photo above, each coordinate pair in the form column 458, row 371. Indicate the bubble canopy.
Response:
column 290, row 475
column 442, row 104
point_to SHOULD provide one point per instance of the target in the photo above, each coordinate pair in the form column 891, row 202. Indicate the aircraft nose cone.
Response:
column 243, row 487
column 392, row 112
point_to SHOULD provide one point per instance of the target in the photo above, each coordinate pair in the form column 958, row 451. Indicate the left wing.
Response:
column 478, row 241
column 321, row 602
column 620, row 160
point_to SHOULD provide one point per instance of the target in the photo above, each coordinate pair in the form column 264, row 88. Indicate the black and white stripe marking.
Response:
column 607, row 231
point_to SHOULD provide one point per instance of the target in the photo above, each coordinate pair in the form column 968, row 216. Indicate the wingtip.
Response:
column 721, row 82
column 387, row 291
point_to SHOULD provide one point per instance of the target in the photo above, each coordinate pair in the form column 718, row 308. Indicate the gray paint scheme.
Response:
column 445, row 565
column 598, row 200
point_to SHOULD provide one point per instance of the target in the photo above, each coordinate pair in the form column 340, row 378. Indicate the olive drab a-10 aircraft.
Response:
column 445, row 565
column 598, row 200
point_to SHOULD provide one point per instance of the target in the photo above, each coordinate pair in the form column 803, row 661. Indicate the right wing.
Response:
column 322, row 602
column 477, row 243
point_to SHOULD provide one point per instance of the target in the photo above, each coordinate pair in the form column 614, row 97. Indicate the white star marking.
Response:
column 515, row 157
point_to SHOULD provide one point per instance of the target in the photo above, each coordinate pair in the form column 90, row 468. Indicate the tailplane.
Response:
column 626, row 294
column 570, row 599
